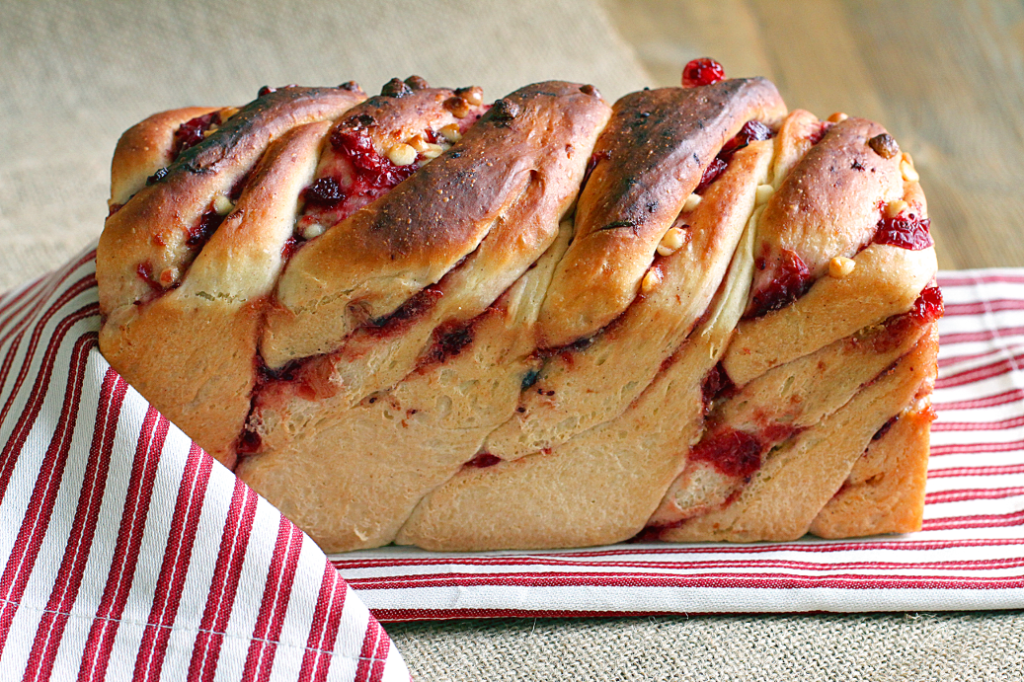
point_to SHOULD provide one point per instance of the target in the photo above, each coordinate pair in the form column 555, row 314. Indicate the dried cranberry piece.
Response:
column 929, row 305
column 703, row 71
column 792, row 280
column 376, row 171
column 711, row 173
column 201, row 232
column 190, row 133
column 905, row 231
column 716, row 383
column 823, row 127
column 325, row 192
column 483, row 460
column 752, row 131
column 249, row 443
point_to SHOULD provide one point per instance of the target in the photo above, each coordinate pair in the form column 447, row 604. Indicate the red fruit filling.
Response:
column 483, row 460
column 734, row 453
column 738, row 453
column 703, row 71
column 791, row 281
column 929, row 306
column 884, row 430
column 823, row 128
column 201, row 232
column 190, row 133
column 751, row 131
column 406, row 314
column 717, row 383
column 905, row 231
column 450, row 338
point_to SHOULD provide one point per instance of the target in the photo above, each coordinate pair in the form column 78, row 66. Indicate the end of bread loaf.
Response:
column 541, row 322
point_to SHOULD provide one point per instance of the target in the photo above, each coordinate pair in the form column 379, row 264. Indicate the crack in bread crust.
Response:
column 529, row 336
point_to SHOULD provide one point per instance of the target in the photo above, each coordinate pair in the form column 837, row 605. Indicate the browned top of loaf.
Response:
column 649, row 159
column 829, row 204
column 369, row 264
column 173, row 203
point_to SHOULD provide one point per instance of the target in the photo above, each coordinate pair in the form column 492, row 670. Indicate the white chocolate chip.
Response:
column 691, row 203
column 671, row 242
column 222, row 205
column 473, row 95
column 432, row 151
column 651, row 280
column 417, row 142
column 451, row 133
column 838, row 117
column 312, row 231
column 402, row 154
column 840, row 266
column 763, row 194
column 894, row 208
column 168, row 277
column 907, row 169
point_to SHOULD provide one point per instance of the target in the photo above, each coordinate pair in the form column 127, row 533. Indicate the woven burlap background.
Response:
column 74, row 75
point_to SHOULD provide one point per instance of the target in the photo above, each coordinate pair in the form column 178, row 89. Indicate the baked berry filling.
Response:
column 751, row 131
column 355, row 173
column 483, row 460
column 192, row 132
column 737, row 453
column 906, row 231
column 716, row 384
column 792, row 280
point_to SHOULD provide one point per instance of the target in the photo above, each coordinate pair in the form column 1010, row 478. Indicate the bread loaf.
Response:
column 545, row 322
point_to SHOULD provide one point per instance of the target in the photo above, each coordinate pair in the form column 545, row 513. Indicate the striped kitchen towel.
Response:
column 126, row 552
column 970, row 554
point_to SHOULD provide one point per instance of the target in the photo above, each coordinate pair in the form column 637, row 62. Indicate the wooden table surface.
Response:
column 945, row 78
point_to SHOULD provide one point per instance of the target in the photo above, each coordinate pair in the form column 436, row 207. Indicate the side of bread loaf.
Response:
column 546, row 322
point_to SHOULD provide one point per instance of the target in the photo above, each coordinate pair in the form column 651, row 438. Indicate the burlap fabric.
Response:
column 73, row 76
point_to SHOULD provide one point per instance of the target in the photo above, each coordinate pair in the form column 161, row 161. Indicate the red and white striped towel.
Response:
column 970, row 554
column 126, row 552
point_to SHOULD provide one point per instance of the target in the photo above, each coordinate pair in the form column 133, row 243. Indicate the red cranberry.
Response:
column 201, row 232
column 703, row 71
column 325, row 193
column 450, row 338
column 792, row 280
column 823, row 128
column 905, row 231
column 929, row 306
column 190, row 133
column 375, row 171
column 483, row 460
column 716, row 383
column 750, row 132
column 249, row 443
column 711, row 173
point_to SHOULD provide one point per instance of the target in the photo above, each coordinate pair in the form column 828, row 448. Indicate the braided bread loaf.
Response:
column 548, row 322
